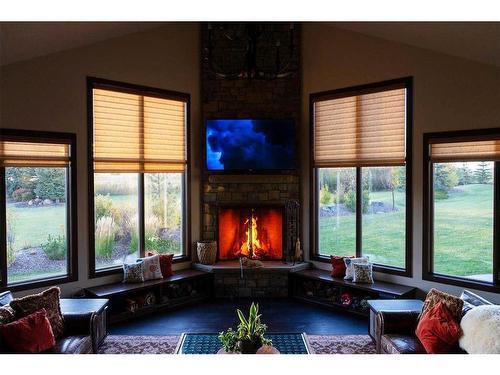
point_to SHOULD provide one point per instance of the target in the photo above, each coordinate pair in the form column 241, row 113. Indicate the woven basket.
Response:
column 207, row 252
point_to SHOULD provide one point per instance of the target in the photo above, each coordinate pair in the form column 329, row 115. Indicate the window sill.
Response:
column 55, row 281
column 376, row 267
column 458, row 281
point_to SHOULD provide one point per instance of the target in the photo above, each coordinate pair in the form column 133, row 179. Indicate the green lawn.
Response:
column 32, row 225
column 463, row 223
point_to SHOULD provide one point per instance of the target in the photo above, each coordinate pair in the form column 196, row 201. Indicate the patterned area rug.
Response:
column 139, row 344
column 345, row 344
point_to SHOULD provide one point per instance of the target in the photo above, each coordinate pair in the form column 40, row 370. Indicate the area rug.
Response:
column 344, row 344
column 121, row 344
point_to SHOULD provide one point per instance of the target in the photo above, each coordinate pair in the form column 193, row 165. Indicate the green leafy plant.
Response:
column 350, row 200
column 229, row 340
column 162, row 245
column 105, row 231
column 103, row 206
column 55, row 247
column 249, row 335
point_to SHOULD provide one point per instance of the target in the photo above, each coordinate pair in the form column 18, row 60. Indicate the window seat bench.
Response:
column 132, row 300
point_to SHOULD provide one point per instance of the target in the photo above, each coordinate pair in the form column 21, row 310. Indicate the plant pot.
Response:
column 249, row 346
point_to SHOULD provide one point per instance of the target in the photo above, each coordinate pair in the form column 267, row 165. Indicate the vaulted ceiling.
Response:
column 478, row 41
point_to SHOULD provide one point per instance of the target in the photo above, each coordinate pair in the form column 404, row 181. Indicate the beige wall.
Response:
column 449, row 94
column 49, row 93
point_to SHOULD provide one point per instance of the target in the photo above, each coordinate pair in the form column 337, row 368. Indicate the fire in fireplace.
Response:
column 256, row 233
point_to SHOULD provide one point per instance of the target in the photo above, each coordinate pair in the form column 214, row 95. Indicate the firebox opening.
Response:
column 256, row 233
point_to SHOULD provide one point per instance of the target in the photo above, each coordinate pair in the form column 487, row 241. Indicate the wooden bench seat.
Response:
column 182, row 288
column 114, row 289
column 319, row 287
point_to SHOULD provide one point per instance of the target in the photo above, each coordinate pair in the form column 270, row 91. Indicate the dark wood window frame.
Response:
column 92, row 83
column 314, row 195
column 71, row 216
column 428, row 212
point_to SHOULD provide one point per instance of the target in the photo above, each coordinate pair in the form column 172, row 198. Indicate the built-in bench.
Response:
column 131, row 300
column 318, row 286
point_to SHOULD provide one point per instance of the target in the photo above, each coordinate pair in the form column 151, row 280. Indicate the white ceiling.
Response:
column 25, row 40
column 478, row 41
column 471, row 40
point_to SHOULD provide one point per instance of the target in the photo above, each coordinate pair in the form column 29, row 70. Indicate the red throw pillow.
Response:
column 165, row 263
column 438, row 331
column 31, row 334
column 338, row 266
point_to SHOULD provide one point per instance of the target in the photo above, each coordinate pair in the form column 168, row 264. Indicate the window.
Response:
column 361, row 174
column 138, row 169
column 461, row 204
column 38, row 242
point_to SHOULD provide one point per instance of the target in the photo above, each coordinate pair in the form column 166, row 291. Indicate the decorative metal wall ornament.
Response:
column 292, row 219
column 251, row 50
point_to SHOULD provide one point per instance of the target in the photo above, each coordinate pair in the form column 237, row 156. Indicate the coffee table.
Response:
column 208, row 343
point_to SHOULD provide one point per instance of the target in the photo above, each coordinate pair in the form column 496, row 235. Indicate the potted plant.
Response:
column 249, row 336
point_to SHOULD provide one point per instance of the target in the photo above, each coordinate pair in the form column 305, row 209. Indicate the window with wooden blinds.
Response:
column 15, row 153
column 361, row 128
column 137, row 132
column 465, row 150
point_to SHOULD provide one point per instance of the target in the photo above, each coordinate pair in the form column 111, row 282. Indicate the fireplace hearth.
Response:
column 252, row 232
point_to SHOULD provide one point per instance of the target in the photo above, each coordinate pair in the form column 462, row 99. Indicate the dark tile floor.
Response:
column 280, row 315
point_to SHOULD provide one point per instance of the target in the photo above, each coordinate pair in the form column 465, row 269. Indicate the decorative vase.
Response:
column 249, row 346
column 207, row 252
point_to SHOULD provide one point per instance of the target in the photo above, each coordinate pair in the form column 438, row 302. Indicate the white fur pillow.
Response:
column 481, row 330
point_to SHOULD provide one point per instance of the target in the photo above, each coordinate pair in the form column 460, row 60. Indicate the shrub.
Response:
column 51, row 183
column 105, row 231
column 350, row 201
column 325, row 196
column 440, row 194
column 22, row 195
column 103, row 206
column 55, row 248
column 162, row 245
column 11, row 238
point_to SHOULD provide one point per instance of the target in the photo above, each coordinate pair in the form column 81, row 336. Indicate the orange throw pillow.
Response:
column 338, row 266
column 437, row 330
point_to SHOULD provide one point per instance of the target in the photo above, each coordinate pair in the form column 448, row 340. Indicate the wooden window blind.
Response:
column 361, row 129
column 138, row 133
column 465, row 150
column 22, row 154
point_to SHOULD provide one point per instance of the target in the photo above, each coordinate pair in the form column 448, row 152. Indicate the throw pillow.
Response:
column 349, row 271
column 453, row 303
column 31, row 334
column 152, row 269
column 363, row 273
column 438, row 330
column 338, row 266
column 6, row 314
column 133, row 273
column 165, row 264
column 481, row 328
column 48, row 300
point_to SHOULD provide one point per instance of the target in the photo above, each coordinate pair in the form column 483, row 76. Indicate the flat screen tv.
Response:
column 250, row 145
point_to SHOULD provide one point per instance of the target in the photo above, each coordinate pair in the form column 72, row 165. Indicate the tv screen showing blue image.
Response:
column 246, row 144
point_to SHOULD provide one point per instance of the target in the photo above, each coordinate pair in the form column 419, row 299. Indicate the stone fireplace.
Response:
column 228, row 198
